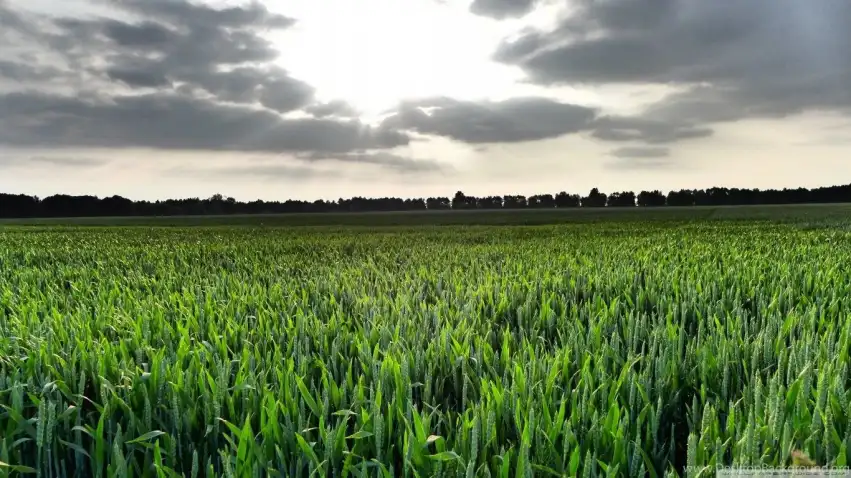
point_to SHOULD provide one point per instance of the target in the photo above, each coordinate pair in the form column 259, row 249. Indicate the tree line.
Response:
column 62, row 205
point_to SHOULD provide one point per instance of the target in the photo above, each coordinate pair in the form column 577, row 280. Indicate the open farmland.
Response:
column 607, row 349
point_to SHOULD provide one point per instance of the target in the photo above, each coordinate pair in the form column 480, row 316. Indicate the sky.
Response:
column 322, row 99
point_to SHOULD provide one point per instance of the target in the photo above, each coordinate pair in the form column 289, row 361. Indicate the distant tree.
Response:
column 439, row 203
column 683, row 197
column 718, row 196
column 701, row 198
column 489, row 202
column 563, row 199
column 459, row 201
column 62, row 205
column 594, row 199
column 514, row 202
column 542, row 201
column 622, row 199
column 651, row 199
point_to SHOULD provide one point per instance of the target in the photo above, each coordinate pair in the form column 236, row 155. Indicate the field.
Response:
column 641, row 347
column 783, row 213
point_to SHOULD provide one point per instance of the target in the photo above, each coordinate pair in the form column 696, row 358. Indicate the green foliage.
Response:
column 631, row 349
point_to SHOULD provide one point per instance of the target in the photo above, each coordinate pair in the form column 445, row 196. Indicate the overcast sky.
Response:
column 335, row 98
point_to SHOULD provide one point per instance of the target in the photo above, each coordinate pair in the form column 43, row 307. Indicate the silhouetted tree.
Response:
column 62, row 205
column 435, row 204
column 683, row 197
column 514, row 202
column 489, row 202
column 563, row 199
column 623, row 199
column 594, row 199
column 542, row 201
column 651, row 199
column 460, row 201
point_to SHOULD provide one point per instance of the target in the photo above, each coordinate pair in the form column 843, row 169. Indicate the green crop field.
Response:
column 610, row 348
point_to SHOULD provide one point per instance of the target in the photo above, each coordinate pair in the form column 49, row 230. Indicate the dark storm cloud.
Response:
column 501, row 9
column 512, row 120
column 173, row 121
column 759, row 58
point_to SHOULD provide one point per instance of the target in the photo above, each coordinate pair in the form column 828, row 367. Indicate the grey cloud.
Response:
column 271, row 86
column 278, row 169
column 501, row 9
column 23, row 72
column 254, row 14
column 512, row 120
column 381, row 158
column 514, row 50
column 639, row 164
column 137, row 77
column 172, row 121
column 637, row 128
column 144, row 35
column 267, row 171
column 182, row 66
column 286, row 94
column 759, row 58
column 12, row 21
column 642, row 152
column 221, row 51
column 337, row 108
column 76, row 162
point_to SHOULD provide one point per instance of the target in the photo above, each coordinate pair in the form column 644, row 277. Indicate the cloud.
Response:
column 381, row 158
column 75, row 162
column 337, row 108
column 735, row 60
column 641, row 152
column 220, row 52
column 174, row 121
column 315, row 165
column 165, row 74
column 640, row 157
column 502, row 9
column 267, row 171
column 508, row 121
column 52, row 161
column 24, row 73
column 146, row 35
column 181, row 12
column 637, row 128
column 137, row 76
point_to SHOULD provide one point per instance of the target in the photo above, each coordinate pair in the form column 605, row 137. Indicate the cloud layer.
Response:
column 512, row 120
column 181, row 75
column 164, row 74
column 736, row 60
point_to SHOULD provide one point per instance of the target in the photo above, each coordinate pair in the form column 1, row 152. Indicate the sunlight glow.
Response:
column 373, row 53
